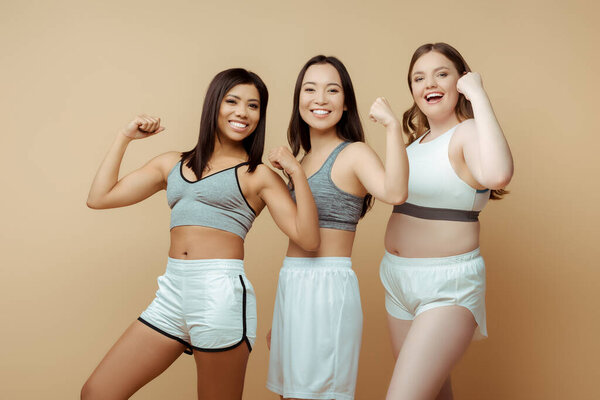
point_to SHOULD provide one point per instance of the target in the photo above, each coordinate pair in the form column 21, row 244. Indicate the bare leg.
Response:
column 140, row 355
column 434, row 343
column 446, row 391
column 398, row 330
column 221, row 374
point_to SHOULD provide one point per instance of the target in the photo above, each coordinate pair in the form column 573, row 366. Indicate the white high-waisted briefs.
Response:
column 208, row 305
column 317, row 329
column 415, row 285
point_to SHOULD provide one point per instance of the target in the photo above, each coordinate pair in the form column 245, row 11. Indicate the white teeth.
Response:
column 320, row 112
column 237, row 124
column 431, row 95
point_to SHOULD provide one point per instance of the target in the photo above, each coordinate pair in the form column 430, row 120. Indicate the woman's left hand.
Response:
column 470, row 85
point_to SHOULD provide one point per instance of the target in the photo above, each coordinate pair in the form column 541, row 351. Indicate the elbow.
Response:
column 400, row 198
column 95, row 204
column 497, row 178
column 396, row 198
column 311, row 244
column 499, row 181
column 91, row 204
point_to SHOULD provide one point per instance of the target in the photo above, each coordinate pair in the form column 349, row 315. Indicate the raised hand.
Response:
column 470, row 85
column 143, row 126
column 382, row 113
column 282, row 158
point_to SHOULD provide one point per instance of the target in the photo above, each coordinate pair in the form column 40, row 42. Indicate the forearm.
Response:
column 396, row 166
column 108, row 173
column 307, row 216
column 495, row 156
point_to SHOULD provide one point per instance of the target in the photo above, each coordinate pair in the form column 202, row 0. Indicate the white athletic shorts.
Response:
column 415, row 285
column 208, row 305
column 317, row 329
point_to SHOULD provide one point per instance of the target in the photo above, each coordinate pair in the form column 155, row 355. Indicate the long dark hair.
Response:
column 414, row 122
column 197, row 158
column 349, row 128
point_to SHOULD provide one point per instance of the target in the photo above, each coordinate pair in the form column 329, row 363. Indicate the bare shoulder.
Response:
column 356, row 152
column 165, row 161
column 357, row 149
column 265, row 174
column 261, row 177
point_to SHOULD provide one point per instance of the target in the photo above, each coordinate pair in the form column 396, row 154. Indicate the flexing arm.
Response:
column 107, row 191
column 300, row 220
column 389, row 184
column 485, row 149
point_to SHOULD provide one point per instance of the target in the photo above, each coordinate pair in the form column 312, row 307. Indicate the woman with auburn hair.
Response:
column 317, row 321
column 204, row 305
column 432, row 271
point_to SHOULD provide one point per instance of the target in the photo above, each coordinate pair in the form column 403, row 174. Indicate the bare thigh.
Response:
column 221, row 374
column 434, row 343
column 398, row 330
column 140, row 355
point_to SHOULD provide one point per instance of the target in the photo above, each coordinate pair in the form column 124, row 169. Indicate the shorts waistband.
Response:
column 179, row 266
column 318, row 262
column 431, row 261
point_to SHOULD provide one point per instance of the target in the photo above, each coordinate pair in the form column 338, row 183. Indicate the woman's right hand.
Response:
column 108, row 191
column 282, row 158
column 143, row 126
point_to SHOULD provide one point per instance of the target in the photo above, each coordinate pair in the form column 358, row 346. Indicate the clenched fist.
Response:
column 282, row 158
column 382, row 112
column 143, row 126
column 470, row 85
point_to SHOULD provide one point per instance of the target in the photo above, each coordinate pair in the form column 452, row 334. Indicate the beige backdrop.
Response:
column 72, row 74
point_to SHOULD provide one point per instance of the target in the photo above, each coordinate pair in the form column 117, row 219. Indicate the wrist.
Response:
column 393, row 126
column 477, row 95
column 296, row 173
column 479, row 100
column 124, row 136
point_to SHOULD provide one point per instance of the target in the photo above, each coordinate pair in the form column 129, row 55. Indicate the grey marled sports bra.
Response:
column 337, row 209
column 215, row 201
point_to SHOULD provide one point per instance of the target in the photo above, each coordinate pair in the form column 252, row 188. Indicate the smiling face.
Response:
column 433, row 81
column 321, row 102
column 239, row 113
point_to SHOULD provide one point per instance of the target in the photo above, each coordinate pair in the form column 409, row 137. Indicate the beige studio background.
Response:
column 72, row 73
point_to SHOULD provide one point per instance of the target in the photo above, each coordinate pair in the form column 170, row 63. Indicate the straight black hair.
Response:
column 349, row 128
column 198, row 158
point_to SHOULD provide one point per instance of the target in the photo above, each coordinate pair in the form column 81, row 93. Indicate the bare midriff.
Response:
column 334, row 243
column 412, row 237
column 202, row 243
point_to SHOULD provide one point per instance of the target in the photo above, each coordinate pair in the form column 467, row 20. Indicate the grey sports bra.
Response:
column 337, row 209
column 215, row 201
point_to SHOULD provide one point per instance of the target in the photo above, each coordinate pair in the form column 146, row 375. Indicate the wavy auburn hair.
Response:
column 414, row 122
